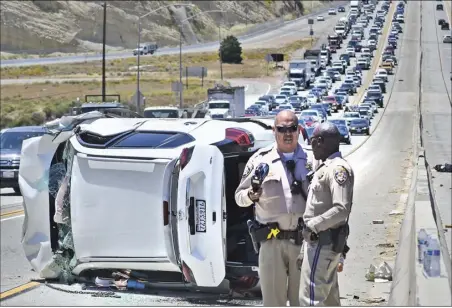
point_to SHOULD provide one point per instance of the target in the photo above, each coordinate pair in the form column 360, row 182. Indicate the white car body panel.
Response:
column 99, row 185
column 203, row 252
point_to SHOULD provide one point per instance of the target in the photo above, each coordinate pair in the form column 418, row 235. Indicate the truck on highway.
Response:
column 314, row 56
column 355, row 4
column 302, row 73
column 225, row 102
column 145, row 49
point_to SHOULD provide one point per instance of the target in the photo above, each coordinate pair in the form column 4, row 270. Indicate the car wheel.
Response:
column 368, row 133
column 17, row 190
column 348, row 142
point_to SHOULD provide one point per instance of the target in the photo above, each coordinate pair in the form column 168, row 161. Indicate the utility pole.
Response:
column 103, row 51
column 180, row 67
column 221, row 55
column 138, row 68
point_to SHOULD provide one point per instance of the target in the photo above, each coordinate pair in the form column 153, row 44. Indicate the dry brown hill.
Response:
column 41, row 27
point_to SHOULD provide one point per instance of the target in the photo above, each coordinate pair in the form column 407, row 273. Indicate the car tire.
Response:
column 349, row 142
column 17, row 190
column 368, row 133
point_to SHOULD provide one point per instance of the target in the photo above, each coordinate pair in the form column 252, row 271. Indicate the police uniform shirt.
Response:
column 276, row 204
column 330, row 195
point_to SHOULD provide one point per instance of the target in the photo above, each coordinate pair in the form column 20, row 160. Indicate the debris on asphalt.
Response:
column 370, row 274
column 385, row 245
column 443, row 168
column 381, row 274
column 373, row 300
column 378, row 222
column 395, row 212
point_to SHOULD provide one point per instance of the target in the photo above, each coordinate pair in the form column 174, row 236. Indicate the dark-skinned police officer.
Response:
column 326, row 219
column 279, row 204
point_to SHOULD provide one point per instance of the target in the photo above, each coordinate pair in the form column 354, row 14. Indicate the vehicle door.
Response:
column 34, row 178
column 201, row 214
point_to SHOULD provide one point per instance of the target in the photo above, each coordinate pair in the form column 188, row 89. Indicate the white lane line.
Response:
column 14, row 217
column 269, row 88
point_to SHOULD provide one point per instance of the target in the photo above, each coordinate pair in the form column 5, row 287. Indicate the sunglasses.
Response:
column 287, row 129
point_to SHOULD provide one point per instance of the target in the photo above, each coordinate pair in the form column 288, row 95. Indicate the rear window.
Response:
column 161, row 140
column 161, row 113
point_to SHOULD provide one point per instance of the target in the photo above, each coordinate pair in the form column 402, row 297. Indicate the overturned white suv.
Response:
column 151, row 195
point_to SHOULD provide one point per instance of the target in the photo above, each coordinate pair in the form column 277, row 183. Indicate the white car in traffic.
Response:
column 153, row 195
column 312, row 113
column 281, row 99
column 350, row 115
column 320, row 18
column 381, row 73
column 264, row 106
column 291, row 90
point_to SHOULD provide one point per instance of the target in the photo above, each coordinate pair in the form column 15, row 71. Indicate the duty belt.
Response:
column 271, row 230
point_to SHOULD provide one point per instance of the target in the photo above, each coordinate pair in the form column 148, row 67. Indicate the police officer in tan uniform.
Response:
column 326, row 220
column 278, row 206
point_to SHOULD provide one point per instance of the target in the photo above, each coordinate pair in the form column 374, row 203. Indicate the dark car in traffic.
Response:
column 345, row 57
column 327, row 107
column 377, row 96
column 253, row 111
column 11, row 140
column 270, row 99
column 345, row 133
column 359, row 126
column 381, row 83
column 309, row 132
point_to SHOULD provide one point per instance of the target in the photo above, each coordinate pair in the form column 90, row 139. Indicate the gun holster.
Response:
column 253, row 226
column 339, row 238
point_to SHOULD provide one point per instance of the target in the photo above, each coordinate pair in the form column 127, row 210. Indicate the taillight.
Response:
column 165, row 213
column 241, row 137
column 185, row 157
column 188, row 274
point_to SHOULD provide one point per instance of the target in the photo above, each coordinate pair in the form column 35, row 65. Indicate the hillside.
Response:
column 43, row 27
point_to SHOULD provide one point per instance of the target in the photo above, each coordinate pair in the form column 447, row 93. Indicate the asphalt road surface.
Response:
column 381, row 166
column 436, row 106
column 266, row 36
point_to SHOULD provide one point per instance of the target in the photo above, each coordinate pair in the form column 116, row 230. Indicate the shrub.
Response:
column 230, row 50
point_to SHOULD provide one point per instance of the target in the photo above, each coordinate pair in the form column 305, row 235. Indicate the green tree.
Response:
column 230, row 50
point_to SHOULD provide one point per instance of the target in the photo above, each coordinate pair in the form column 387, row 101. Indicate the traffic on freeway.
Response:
column 115, row 205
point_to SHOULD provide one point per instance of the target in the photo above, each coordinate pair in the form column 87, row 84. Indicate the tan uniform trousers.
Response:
column 279, row 272
column 318, row 284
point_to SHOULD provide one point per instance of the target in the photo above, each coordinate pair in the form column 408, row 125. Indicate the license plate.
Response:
column 8, row 174
column 358, row 130
column 200, row 216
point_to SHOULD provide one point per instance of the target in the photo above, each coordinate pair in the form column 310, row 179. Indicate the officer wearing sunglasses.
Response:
column 279, row 203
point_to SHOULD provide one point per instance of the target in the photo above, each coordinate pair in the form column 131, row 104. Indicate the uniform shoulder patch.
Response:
column 247, row 171
column 340, row 175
